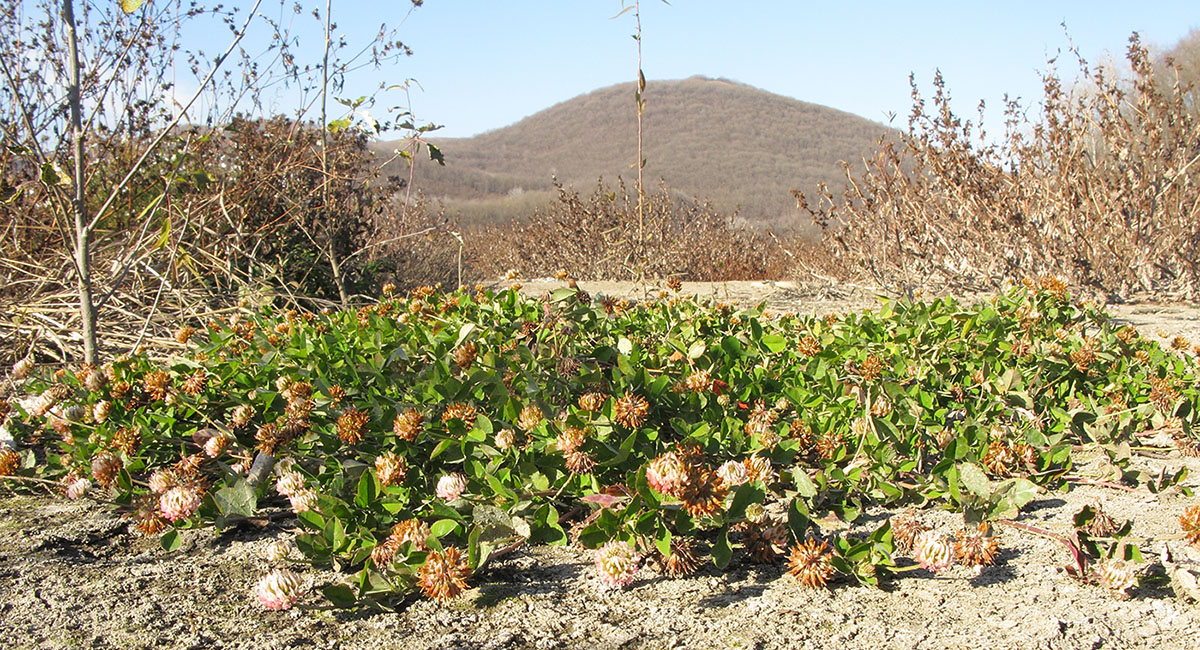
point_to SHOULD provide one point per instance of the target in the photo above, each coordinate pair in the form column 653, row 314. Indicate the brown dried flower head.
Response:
column 460, row 411
column 412, row 531
column 683, row 560
column 871, row 368
column 444, row 574
column 800, row 431
column 1127, row 334
column 407, row 425
column 999, row 458
column 766, row 542
column 1190, row 523
column 700, row 381
column 905, row 529
column 529, row 418
column 1026, row 455
column 194, row 384
column 1102, row 524
column 1083, row 357
column 759, row 468
column 184, row 334
column 809, row 346
column 127, row 440
column 464, row 355
column 760, row 420
column 631, row 411
column 1054, row 286
column 269, row 439
column 148, row 521
column 829, row 443
column 156, row 384
column 384, row 552
column 350, row 425
column 105, row 467
column 390, row 468
column 592, row 401
column 1163, row 394
column 811, row 563
column 579, row 462
column 704, row 493
column 571, row 439
column 10, row 462
column 976, row 548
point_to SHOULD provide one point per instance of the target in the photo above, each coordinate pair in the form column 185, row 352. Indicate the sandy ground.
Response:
column 73, row 576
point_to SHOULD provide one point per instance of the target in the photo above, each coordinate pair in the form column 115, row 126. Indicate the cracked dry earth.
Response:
column 73, row 576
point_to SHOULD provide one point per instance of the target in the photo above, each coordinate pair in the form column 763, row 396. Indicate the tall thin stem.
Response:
column 83, row 230
column 330, row 251
column 640, row 97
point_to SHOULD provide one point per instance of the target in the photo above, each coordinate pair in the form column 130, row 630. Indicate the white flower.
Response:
column 278, row 550
column 215, row 445
column 303, row 500
column 289, row 482
column 933, row 551
column 616, row 564
column 100, row 411
column 733, row 473
column 78, row 488
column 1116, row 574
column 179, row 502
column 451, row 486
column 22, row 368
column 279, row 589
column 162, row 480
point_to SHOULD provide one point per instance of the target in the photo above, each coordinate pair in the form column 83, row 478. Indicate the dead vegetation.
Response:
column 598, row 237
column 1102, row 190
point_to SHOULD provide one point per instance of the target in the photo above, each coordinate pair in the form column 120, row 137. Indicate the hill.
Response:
column 707, row 138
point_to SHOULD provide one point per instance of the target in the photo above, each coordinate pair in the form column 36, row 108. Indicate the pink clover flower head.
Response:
column 616, row 564
column 933, row 551
column 289, row 482
column 733, row 473
column 279, row 589
column 180, row 502
column 78, row 488
column 303, row 500
column 451, row 486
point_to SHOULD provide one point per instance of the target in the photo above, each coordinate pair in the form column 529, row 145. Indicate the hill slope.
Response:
column 715, row 139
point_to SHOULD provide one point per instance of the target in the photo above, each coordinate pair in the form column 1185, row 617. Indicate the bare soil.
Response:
column 73, row 576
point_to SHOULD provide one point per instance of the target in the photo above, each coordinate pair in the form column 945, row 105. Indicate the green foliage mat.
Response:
column 678, row 428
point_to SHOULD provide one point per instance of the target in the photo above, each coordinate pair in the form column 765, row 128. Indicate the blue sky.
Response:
column 484, row 64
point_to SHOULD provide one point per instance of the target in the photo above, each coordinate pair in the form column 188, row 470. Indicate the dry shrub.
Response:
column 240, row 220
column 600, row 237
column 1102, row 191
column 415, row 245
